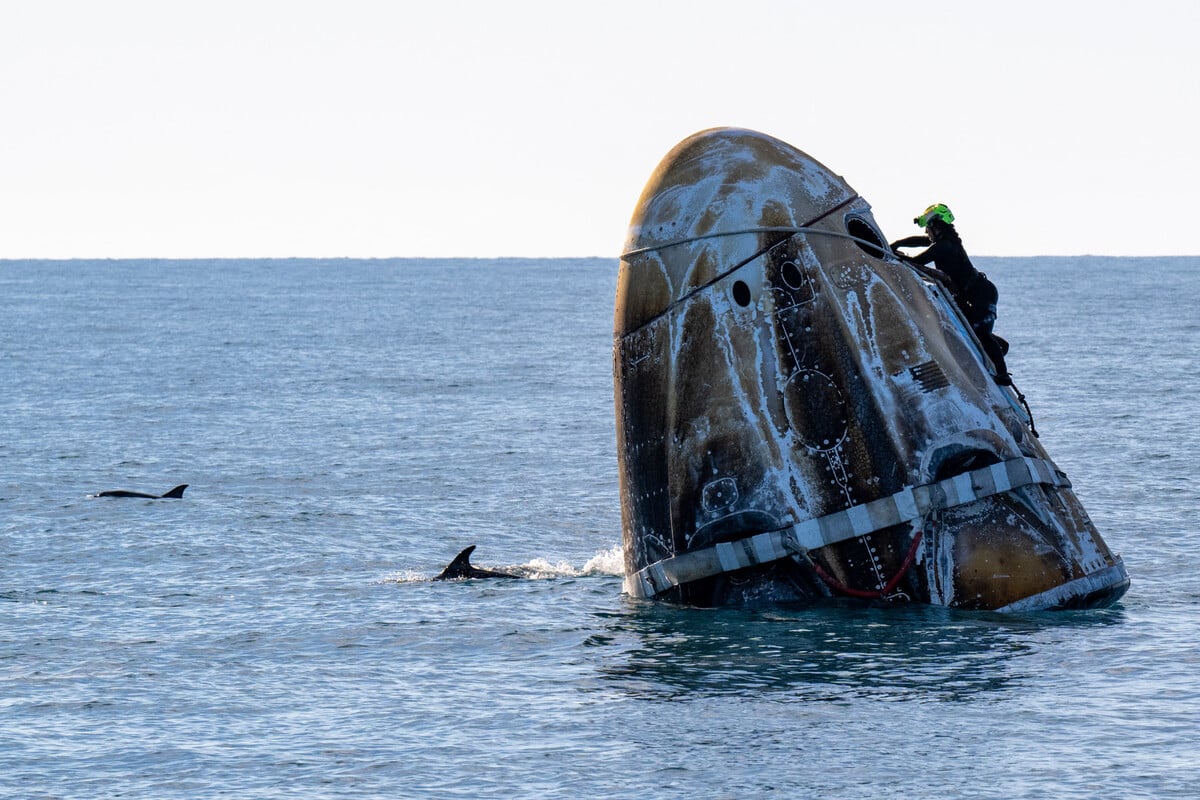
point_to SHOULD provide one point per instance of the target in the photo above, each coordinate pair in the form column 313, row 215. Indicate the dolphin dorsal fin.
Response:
column 177, row 492
column 460, row 567
column 461, row 562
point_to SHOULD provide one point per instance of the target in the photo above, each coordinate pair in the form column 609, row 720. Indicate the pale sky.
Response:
column 373, row 128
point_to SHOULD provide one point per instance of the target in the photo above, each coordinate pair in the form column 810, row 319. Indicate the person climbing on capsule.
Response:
column 975, row 294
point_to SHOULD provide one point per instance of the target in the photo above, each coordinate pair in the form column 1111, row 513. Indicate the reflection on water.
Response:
column 836, row 651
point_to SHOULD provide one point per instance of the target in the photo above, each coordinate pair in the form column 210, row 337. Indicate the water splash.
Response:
column 606, row 562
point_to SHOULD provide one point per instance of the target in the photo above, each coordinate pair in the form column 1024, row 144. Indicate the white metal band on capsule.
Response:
column 910, row 503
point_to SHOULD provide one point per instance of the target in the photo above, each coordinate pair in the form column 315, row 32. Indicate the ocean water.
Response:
column 346, row 427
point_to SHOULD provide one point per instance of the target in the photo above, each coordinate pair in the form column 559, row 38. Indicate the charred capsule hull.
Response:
column 801, row 415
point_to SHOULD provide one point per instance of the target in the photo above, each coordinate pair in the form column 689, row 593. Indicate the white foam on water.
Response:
column 605, row 562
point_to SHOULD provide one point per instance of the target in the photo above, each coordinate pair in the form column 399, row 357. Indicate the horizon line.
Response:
column 13, row 259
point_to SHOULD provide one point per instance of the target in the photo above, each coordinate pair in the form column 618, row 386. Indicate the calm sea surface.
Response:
column 348, row 426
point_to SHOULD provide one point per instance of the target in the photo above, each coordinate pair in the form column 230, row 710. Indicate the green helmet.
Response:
column 938, row 210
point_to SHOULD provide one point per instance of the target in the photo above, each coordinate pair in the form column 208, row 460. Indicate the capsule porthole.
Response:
column 792, row 276
column 865, row 236
column 741, row 293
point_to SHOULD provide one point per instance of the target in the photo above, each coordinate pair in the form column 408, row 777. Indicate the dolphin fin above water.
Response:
column 460, row 569
column 175, row 494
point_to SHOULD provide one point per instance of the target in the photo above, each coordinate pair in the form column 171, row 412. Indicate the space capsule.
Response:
column 802, row 415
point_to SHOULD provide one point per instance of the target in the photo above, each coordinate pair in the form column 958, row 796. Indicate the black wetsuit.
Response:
column 975, row 294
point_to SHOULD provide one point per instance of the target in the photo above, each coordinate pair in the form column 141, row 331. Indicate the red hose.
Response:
column 838, row 586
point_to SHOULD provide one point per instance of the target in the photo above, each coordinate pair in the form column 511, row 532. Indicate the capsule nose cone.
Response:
column 714, row 183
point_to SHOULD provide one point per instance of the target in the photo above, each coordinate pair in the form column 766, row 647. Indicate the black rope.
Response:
column 1028, row 412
